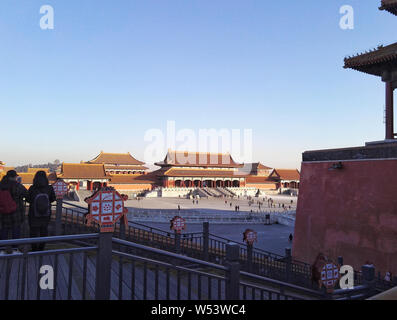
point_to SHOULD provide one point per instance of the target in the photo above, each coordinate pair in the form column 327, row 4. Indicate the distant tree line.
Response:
column 52, row 166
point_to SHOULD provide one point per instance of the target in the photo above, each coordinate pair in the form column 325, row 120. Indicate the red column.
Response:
column 389, row 111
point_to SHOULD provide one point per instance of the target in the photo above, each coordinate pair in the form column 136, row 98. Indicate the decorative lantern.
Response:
column 60, row 188
column 250, row 236
column 106, row 208
column 330, row 275
column 178, row 224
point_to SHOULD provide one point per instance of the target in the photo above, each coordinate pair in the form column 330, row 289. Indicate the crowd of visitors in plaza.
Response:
column 12, row 208
column 251, row 201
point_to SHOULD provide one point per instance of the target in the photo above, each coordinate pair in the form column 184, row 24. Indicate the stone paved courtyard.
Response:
column 273, row 238
column 214, row 203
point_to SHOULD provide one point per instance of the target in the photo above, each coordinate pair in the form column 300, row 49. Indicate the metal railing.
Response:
column 20, row 274
column 209, row 247
column 99, row 266
column 264, row 263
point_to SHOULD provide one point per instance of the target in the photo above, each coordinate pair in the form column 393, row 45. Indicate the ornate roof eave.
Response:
column 171, row 160
column 130, row 159
column 389, row 5
column 374, row 62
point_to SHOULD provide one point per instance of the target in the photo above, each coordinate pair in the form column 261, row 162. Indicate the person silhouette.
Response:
column 12, row 220
column 40, row 196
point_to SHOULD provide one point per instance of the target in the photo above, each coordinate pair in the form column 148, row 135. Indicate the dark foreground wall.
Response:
column 349, row 212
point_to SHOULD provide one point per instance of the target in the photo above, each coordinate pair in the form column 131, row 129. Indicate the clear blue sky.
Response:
column 110, row 70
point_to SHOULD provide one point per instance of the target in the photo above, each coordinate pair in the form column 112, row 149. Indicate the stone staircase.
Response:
column 226, row 192
column 212, row 192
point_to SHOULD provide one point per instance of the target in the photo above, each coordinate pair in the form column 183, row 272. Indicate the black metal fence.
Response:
column 205, row 246
column 141, row 262
column 23, row 276
column 99, row 266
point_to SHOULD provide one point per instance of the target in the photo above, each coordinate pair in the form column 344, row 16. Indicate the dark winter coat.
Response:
column 33, row 192
column 18, row 193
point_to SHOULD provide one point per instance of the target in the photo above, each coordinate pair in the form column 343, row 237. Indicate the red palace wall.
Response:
column 132, row 187
column 351, row 212
column 268, row 186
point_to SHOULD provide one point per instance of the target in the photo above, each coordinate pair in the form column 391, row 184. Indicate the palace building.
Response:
column 179, row 170
column 119, row 163
column 182, row 169
column 286, row 178
column 257, row 169
column 262, row 177
column 84, row 176
column 27, row 177
column 119, row 170
column 131, row 183
column 257, row 176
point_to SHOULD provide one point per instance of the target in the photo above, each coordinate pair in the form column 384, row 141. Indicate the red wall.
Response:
column 350, row 212
column 270, row 186
column 133, row 187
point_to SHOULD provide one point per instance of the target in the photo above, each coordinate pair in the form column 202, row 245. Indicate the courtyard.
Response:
column 218, row 204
